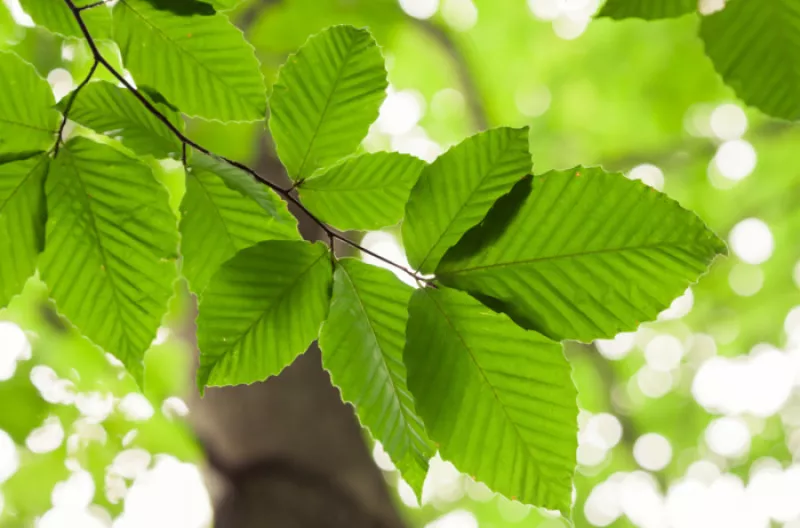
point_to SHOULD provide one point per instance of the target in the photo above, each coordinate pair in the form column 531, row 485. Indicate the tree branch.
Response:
column 70, row 102
column 187, row 142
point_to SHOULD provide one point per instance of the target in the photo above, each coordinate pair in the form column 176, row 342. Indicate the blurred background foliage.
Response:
column 693, row 420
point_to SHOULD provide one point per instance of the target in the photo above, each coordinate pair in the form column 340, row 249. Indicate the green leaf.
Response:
column 647, row 9
column 114, row 111
column 499, row 400
column 585, row 254
column 366, row 192
column 56, row 17
column 201, row 62
column 326, row 97
column 111, row 245
column 22, row 220
column 755, row 47
column 456, row 191
column 362, row 347
column 261, row 310
column 27, row 119
column 224, row 211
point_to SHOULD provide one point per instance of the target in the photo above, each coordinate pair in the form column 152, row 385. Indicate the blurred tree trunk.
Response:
column 288, row 452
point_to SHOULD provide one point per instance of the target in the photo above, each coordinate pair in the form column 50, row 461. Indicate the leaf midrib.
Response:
column 21, row 184
column 395, row 391
column 532, row 456
column 534, row 260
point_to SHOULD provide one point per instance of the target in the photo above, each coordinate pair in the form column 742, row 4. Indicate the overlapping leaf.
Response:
column 499, row 400
column 755, row 47
column 647, row 9
column 585, row 254
column 365, row 192
column 362, row 347
column 111, row 245
column 325, row 99
column 223, row 212
column 198, row 60
column 22, row 219
column 108, row 109
column 27, row 119
column 261, row 310
column 456, row 191
column 57, row 17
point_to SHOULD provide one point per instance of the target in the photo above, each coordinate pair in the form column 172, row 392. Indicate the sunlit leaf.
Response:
column 112, row 110
column 56, row 17
column 365, row 192
column 27, row 119
column 456, row 191
column 584, row 254
column 111, row 244
column 362, row 347
column 224, row 211
column 755, row 47
column 497, row 399
column 325, row 99
column 198, row 61
column 261, row 310
column 22, row 220
column 647, row 9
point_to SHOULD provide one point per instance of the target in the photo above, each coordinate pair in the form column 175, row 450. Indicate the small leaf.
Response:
column 56, row 17
column 111, row 110
column 27, row 119
column 261, row 310
column 498, row 400
column 223, row 212
column 22, row 220
column 200, row 62
column 456, row 191
column 366, row 192
column 111, row 245
column 584, row 255
column 326, row 97
column 362, row 347
column 755, row 47
column 647, row 9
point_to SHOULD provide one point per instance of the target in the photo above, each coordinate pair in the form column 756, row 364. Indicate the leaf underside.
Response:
column 362, row 348
column 261, row 310
column 326, row 97
column 201, row 60
column 22, row 220
column 223, row 212
column 582, row 255
column 498, row 400
column 111, row 245
column 755, row 47
column 456, row 191
column 365, row 192
column 647, row 9
column 56, row 17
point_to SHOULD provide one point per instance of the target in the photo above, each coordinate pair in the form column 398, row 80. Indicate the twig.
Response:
column 186, row 142
column 70, row 102
column 90, row 6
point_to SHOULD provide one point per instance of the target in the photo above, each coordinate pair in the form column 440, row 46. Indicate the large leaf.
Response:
column 22, row 219
column 362, row 347
column 56, row 17
column 365, row 192
column 224, row 211
column 27, row 119
column 647, row 9
column 112, row 110
column 111, row 246
column 456, row 191
column 261, row 310
column 199, row 61
column 498, row 400
column 326, row 97
column 755, row 47
column 585, row 254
